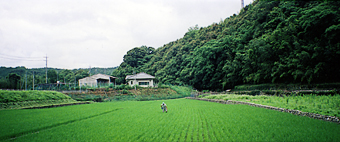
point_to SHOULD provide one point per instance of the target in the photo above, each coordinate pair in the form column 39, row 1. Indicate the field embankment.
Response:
column 28, row 99
column 130, row 94
column 319, row 104
column 186, row 120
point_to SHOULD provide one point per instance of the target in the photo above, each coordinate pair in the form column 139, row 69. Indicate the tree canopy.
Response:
column 267, row 42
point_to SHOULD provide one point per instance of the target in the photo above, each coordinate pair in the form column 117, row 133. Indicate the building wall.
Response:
column 96, row 80
column 88, row 82
column 134, row 82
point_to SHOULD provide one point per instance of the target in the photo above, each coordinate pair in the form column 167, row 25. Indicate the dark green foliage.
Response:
column 268, row 42
column 13, row 81
column 134, row 60
column 52, row 76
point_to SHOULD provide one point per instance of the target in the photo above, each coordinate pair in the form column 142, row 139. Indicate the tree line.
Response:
column 18, row 77
column 267, row 42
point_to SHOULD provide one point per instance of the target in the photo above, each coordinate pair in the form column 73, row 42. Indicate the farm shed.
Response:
column 142, row 79
column 98, row 79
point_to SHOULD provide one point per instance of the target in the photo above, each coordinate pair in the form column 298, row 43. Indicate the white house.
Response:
column 98, row 79
column 142, row 79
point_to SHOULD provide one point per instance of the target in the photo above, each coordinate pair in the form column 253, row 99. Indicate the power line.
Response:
column 9, row 58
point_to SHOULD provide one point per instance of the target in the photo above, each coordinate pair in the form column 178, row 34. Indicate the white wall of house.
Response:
column 95, row 79
column 88, row 82
column 142, row 83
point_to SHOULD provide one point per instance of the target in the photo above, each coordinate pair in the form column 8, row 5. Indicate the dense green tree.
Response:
column 267, row 42
column 52, row 76
column 13, row 81
column 3, row 83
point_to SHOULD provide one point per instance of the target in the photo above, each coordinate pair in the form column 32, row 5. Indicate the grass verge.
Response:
column 25, row 99
column 325, row 105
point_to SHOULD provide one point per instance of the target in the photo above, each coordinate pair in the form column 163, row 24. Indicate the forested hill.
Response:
column 267, row 42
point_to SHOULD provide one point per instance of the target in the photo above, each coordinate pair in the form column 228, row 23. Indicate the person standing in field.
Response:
column 164, row 107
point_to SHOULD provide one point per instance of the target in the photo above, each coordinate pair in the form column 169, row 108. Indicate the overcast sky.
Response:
column 97, row 33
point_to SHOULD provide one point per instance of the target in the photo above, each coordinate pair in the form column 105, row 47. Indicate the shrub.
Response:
column 253, row 93
column 125, row 91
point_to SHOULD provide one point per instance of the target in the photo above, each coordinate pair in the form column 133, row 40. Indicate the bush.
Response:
column 125, row 91
column 253, row 93
column 122, row 87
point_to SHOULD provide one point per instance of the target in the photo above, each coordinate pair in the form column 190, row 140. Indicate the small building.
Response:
column 142, row 79
column 98, row 79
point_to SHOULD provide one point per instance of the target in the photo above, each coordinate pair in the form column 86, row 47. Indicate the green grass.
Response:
column 321, row 86
column 182, row 90
column 141, row 94
column 21, row 99
column 326, row 105
column 187, row 120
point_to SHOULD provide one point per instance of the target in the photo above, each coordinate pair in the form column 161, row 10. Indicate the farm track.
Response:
column 14, row 136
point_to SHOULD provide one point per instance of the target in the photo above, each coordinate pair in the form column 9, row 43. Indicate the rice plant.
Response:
column 186, row 120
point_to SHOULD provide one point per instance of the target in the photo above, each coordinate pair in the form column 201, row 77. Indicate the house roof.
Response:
column 99, row 76
column 141, row 75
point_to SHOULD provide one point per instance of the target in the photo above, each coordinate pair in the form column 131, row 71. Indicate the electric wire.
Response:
column 11, row 57
column 21, row 59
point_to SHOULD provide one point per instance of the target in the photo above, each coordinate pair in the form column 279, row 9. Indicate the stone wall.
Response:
column 295, row 112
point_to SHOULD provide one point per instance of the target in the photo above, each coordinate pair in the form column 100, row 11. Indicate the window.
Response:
column 143, row 83
column 131, row 83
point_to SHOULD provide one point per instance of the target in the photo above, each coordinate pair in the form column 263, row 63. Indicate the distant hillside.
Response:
column 13, row 78
column 267, row 42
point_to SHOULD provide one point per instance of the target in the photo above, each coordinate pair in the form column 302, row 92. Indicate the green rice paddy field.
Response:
column 187, row 120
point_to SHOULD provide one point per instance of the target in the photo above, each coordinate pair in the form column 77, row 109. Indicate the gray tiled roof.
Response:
column 141, row 75
column 99, row 76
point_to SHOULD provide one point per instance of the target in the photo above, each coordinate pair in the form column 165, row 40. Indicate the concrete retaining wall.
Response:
column 295, row 112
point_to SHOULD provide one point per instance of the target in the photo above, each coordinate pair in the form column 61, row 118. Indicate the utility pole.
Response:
column 74, row 81
column 33, row 80
column 26, row 81
column 46, row 68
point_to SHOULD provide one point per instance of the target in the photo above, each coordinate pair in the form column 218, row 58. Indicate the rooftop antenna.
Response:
column 242, row 4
